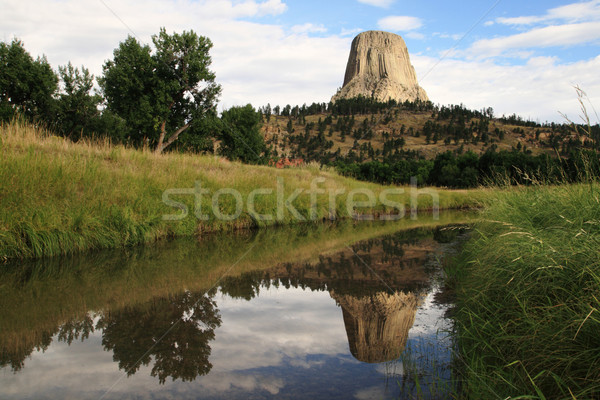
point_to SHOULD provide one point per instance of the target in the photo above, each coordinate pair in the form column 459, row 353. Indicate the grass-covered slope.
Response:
column 59, row 197
column 528, row 286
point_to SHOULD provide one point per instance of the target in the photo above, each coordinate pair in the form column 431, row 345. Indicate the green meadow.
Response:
column 60, row 197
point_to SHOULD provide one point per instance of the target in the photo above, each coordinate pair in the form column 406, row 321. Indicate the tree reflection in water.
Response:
column 15, row 355
column 75, row 329
column 171, row 332
column 174, row 332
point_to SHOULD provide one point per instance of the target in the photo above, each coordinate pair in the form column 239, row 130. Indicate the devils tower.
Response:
column 379, row 66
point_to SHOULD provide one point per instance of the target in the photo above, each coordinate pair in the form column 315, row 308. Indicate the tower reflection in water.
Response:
column 377, row 326
column 378, row 284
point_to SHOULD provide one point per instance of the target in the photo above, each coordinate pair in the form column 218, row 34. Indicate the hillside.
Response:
column 380, row 130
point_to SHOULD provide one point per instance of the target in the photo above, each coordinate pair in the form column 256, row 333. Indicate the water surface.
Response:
column 344, row 310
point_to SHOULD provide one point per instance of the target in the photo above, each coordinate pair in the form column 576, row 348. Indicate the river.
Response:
column 332, row 310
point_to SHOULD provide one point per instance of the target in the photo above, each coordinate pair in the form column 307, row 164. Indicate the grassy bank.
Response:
column 60, row 197
column 528, row 288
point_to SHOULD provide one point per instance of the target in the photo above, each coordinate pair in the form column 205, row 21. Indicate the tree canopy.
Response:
column 26, row 85
column 161, row 94
column 77, row 110
column 241, row 138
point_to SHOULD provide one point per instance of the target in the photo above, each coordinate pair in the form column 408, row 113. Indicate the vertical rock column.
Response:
column 379, row 66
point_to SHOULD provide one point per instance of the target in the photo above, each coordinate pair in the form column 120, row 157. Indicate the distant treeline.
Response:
column 468, row 170
column 362, row 105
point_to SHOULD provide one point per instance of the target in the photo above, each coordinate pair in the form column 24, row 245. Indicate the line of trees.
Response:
column 162, row 97
column 359, row 105
column 467, row 170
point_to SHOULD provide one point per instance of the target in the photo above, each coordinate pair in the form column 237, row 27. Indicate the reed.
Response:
column 528, row 289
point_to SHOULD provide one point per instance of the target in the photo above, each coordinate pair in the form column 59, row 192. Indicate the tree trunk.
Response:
column 163, row 131
column 160, row 147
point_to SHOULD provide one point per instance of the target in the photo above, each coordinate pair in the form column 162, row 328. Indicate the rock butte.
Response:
column 379, row 66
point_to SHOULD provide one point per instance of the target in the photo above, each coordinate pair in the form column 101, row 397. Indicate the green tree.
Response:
column 267, row 112
column 163, row 94
column 27, row 86
column 290, row 126
column 77, row 110
column 199, row 138
column 128, row 87
column 240, row 137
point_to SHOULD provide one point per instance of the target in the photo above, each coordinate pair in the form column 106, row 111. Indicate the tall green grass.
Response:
column 59, row 197
column 528, row 289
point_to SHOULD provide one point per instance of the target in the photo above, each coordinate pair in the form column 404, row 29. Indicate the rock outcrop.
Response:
column 379, row 66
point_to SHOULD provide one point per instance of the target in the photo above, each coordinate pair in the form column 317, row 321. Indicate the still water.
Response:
column 345, row 310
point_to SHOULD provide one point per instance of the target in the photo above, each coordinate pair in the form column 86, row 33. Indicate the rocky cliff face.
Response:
column 379, row 66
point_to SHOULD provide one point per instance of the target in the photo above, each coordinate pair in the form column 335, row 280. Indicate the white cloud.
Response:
column 251, row 338
column 351, row 32
column 236, row 9
column 399, row 23
column 308, row 28
column 254, row 62
column 271, row 7
column 537, row 90
column 455, row 36
column 575, row 12
column 526, row 20
column 549, row 36
column 378, row 3
column 415, row 35
column 221, row 382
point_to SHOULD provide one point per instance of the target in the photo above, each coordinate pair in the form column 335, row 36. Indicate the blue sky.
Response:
column 434, row 27
column 516, row 56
